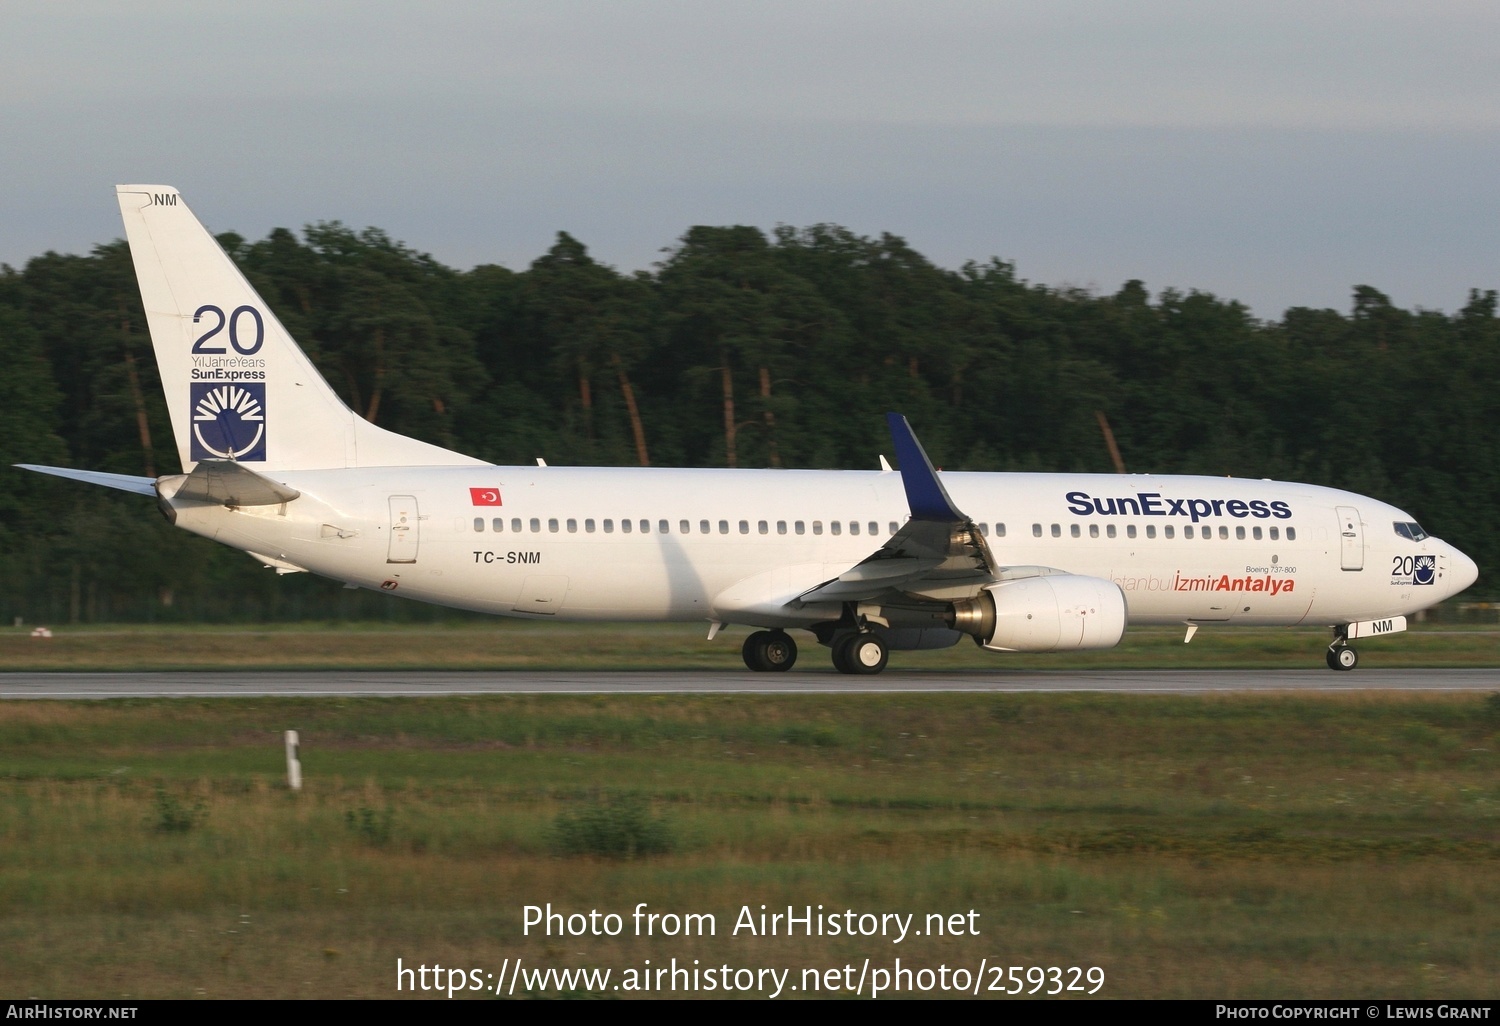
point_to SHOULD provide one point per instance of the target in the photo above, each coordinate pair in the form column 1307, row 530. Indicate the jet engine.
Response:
column 1060, row 612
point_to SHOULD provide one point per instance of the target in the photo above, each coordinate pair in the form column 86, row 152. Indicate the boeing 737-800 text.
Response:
column 276, row 465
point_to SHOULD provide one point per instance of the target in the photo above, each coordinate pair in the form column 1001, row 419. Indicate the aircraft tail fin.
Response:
column 238, row 386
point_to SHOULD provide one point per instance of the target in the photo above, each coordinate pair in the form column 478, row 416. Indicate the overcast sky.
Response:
column 1277, row 152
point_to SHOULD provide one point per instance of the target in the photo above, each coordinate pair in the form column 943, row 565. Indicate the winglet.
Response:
column 925, row 494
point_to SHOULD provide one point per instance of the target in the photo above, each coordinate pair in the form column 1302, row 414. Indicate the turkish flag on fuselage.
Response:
column 485, row 496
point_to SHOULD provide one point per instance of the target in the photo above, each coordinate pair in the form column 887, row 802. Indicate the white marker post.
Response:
column 293, row 764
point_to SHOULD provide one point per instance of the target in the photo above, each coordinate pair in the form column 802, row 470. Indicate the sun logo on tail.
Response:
column 229, row 422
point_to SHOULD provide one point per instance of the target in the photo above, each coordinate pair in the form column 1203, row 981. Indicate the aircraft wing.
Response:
column 124, row 482
column 939, row 548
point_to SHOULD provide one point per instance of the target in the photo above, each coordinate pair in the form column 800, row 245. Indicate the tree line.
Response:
column 740, row 349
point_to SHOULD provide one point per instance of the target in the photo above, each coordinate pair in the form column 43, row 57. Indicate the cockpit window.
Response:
column 1409, row 529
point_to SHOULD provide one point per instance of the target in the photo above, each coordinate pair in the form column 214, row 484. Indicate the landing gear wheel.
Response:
column 1342, row 657
column 860, row 654
column 780, row 652
column 769, row 651
column 840, row 648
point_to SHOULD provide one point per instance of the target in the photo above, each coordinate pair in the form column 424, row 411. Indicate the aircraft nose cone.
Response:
column 1462, row 572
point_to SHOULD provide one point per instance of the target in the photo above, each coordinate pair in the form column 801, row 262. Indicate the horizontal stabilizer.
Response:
column 228, row 484
column 124, row 482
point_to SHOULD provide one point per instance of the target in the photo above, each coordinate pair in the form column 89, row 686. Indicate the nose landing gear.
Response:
column 1340, row 655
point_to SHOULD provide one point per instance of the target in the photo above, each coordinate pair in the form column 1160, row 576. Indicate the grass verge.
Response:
column 1208, row 846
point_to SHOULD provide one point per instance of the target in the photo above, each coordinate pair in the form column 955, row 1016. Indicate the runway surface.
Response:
column 190, row 684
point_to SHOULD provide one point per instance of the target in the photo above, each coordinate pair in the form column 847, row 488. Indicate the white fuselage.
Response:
column 735, row 545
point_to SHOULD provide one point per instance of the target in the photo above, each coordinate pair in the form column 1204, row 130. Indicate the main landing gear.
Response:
column 772, row 651
column 1340, row 655
column 859, row 653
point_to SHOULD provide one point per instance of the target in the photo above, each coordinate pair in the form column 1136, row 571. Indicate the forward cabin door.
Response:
column 405, row 534
column 1351, row 539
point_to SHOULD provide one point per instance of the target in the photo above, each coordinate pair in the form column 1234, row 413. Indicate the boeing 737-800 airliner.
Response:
column 276, row 465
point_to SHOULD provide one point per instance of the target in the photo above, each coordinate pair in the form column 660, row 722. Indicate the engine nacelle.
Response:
column 1059, row 612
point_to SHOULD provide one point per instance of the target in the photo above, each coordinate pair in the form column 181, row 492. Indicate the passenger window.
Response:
column 1130, row 530
column 1291, row 534
column 703, row 527
column 744, row 527
column 1110, row 530
column 1074, row 530
column 552, row 525
column 1187, row 532
column 1150, row 530
column 1036, row 530
column 664, row 527
column 834, row 527
column 626, row 526
column 645, row 527
column 1255, row 533
column 686, row 526
column 999, row 530
column 1166, row 532
column 894, row 528
column 817, row 527
column 515, row 524
column 854, row 527
column 984, row 529
column 799, row 527
column 536, row 525
column 874, row 528
column 763, row 527
column 479, row 523
column 497, row 525
column 1057, row 530
column 1093, row 530
column 1275, row 533
column 1224, row 533
column 609, row 526
column 723, row 527
column 1239, row 533
column 588, row 525
column 781, row 527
